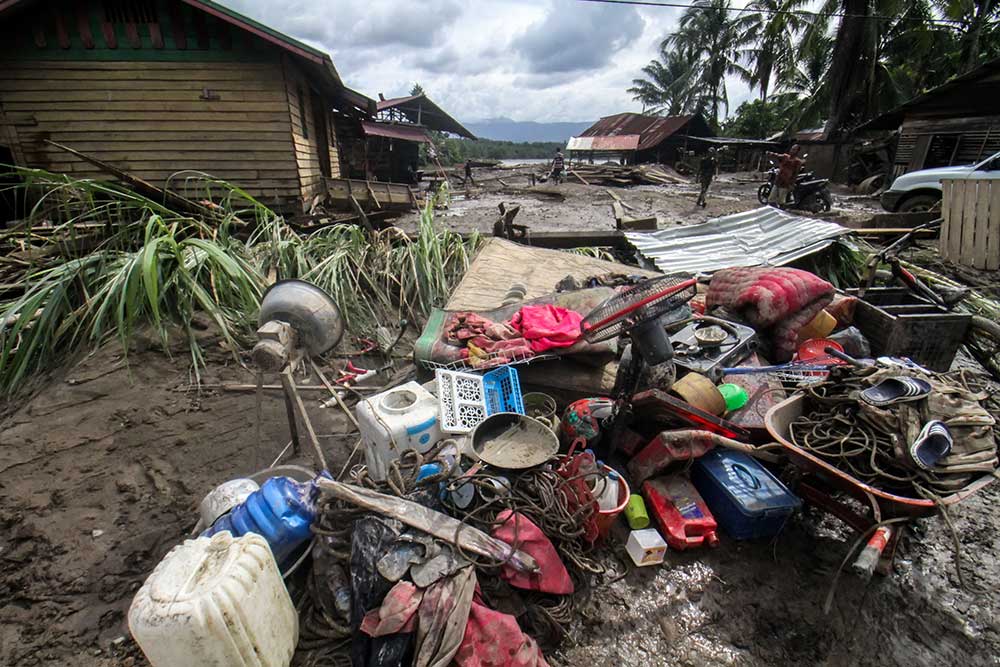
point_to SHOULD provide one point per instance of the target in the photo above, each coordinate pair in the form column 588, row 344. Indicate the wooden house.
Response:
column 956, row 123
column 154, row 87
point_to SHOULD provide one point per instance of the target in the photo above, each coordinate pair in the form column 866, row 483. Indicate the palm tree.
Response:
column 772, row 26
column 803, row 84
column 977, row 28
column 665, row 88
column 715, row 40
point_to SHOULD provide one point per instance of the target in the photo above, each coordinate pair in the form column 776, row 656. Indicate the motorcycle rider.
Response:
column 789, row 165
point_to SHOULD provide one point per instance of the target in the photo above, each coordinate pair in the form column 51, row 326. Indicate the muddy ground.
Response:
column 102, row 468
column 588, row 208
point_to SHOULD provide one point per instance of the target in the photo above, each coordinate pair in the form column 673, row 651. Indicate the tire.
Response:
column 918, row 204
column 764, row 193
column 816, row 203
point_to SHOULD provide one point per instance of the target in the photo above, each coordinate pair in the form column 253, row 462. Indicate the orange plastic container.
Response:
column 606, row 518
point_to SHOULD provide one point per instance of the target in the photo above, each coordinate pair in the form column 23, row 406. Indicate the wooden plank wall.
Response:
column 970, row 233
column 307, row 153
column 150, row 119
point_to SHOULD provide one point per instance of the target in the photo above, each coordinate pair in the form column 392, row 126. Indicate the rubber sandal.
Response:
column 895, row 390
column 932, row 444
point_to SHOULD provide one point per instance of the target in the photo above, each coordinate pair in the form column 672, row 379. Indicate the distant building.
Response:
column 158, row 86
column 956, row 123
column 383, row 147
column 637, row 138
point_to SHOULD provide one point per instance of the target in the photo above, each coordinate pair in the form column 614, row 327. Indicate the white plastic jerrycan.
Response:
column 396, row 420
column 215, row 602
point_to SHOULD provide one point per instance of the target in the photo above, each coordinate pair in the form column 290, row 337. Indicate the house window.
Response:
column 302, row 112
column 941, row 151
column 130, row 11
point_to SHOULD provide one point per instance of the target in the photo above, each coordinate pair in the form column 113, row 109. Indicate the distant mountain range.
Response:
column 505, row 129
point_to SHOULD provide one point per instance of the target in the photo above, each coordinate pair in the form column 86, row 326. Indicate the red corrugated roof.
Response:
column 404, row 132
column 652, row 129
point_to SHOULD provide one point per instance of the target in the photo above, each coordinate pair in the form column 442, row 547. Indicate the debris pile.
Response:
column 617, row 175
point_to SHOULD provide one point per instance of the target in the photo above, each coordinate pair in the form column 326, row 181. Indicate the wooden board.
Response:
column 502, row 262
column 970, row 232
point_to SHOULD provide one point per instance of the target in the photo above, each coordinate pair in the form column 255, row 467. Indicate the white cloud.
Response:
column 542, row 60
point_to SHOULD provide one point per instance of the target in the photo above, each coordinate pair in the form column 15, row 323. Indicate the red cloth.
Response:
column 397, row 612
column 777, row 301
column 493, row 639
column 552, row 576
column 546, row 327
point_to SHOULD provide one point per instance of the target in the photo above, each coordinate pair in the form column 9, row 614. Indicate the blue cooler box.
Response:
column 747, row 500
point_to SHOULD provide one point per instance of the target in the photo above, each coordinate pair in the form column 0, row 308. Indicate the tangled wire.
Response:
column 539, row 494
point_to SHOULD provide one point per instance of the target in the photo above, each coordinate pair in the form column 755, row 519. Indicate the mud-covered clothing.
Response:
column 707, row 168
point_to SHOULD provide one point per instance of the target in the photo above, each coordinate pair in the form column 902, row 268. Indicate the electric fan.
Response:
column 637, row 312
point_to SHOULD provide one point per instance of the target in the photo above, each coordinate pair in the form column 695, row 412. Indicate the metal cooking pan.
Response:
column 513, row 442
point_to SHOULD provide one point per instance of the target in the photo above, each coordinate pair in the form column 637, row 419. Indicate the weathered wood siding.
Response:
column 312, row 161
column 155, row 89
column 151, row 119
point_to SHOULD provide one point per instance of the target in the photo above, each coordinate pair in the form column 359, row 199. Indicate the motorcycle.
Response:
column 809, row 193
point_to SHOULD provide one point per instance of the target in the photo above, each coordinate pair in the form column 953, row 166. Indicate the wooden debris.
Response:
column 617, row 175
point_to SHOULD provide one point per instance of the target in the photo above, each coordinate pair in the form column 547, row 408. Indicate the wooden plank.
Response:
column 141, row 186
column 955, row 230
column 981, row 224
column 221, row 125
column 167, row 117
column 177, row 24
column 947, row 186
column 103, row 98
column 191, row 105
column 144, row 146
column 83, row 27
column 182, row 72
column 198, row 84
column 240, row 154
column 993, row 240
column 150, row 65
column 178, row 134
column 969, row 221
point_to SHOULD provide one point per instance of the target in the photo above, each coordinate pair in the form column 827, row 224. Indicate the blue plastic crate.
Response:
column 746, row 499
column 502, row 388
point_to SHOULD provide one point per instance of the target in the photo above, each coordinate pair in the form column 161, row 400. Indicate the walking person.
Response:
column 789, row 165
column 468, row 174
column 707, row 170
column 557, row 167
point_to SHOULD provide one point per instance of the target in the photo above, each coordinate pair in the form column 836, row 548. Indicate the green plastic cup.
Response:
column 735, row 395
column 635, row 513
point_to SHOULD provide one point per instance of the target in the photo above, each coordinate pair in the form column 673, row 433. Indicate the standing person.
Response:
column 788, row 168
column 557, row 167
column 707, row 169
column 468, row 174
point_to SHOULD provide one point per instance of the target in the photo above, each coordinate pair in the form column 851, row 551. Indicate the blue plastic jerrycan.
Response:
column 281, row 511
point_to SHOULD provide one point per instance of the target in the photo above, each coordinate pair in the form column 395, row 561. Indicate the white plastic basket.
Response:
column 462, row 397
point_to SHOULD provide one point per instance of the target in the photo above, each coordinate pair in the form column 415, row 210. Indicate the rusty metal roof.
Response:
column 651, row 129
column 764, row 236
column 621, row 142
column 396, row 131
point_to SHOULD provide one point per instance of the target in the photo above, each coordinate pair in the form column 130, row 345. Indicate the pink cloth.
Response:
column 552, row 576
column 493, row 639
column 547, row 327
column 397, row 613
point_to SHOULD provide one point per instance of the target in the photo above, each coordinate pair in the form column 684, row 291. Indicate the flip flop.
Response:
column 932, row 444
column 895, row 390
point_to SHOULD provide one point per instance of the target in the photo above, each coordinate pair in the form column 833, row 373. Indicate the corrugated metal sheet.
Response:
column 429, row 114
column 763, row 236
column 395, row 131
column 652, row 129
column 621, row 142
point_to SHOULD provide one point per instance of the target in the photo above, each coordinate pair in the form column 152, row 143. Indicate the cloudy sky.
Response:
column 542, row 60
